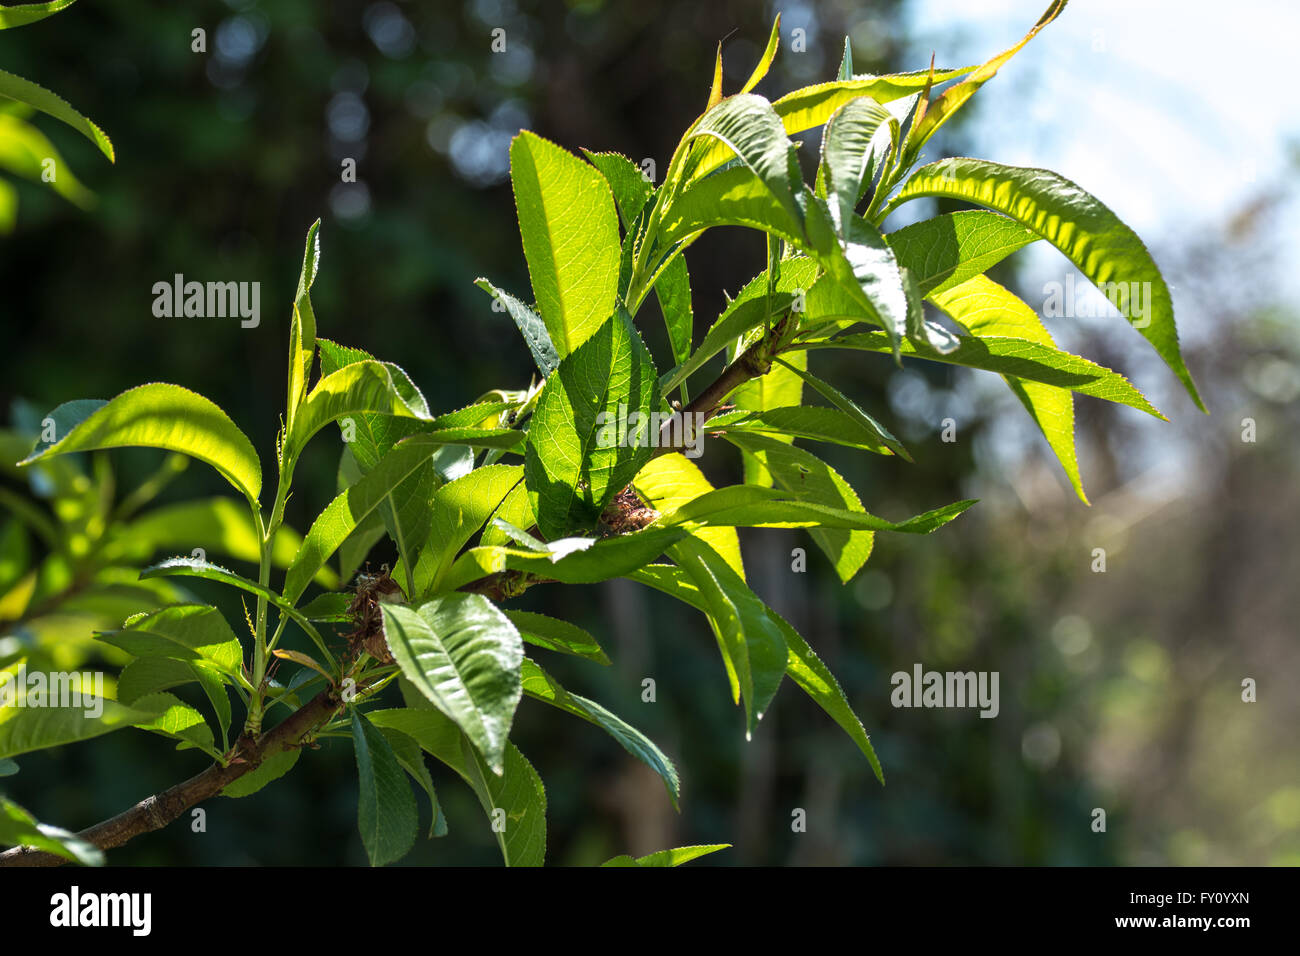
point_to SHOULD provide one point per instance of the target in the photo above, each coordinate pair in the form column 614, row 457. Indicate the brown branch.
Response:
column 155, row 812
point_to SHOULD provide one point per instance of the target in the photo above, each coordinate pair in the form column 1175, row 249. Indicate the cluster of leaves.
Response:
column 24, row 150
column 523, row 487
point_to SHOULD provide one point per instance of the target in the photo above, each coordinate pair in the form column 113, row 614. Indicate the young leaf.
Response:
column 1092, row 237
column 570, row 236
column 542, row 686
column 157, row 416
column 302, row 332
column 386, row 814
column 938, row 113
column 575, row 459
column 463, row 654
column 813, row 105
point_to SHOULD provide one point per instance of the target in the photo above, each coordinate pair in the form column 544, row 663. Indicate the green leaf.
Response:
column 1092, row 237
column 851, row 409
column 410, row 755
column 807, row 670
column 171, row 717
column 8, row 768
column 803, row 665
column 556, row 635
column 608, row 558
column 570, row 236
column 745, row 126
column 157, row 416
column 148, row 675
column 515, row 509
column 668, row 482
column 674, row 857
column 302, row 332
column 814, row 422
column 342, row 516
column 754, row 507
column 19, row 828
column 947, row 250
column 630, row 188
column 765, row 61
column 530, row 324
column 356, row 389
column 729, row 197
column 813, row 105
column 862, row 265
column 753, row 652
column 778, row 387
column 539, row 684
column 752, row 307
column 459, row 508
column 985, row 308
column 186, row 632
column 25, row 91
column 386, row 814
column 463, row 654
column 673, row 288
column 800, row 471
column 22, row 14
column 27, row 728
column 845, row 71
column 1018, row 357
column 517, row 791
column 846, row 150
column 271, row 768
column 575, row 462
column 198, row 568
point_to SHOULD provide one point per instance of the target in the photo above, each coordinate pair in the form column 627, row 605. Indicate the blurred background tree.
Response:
column 1119, row 690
